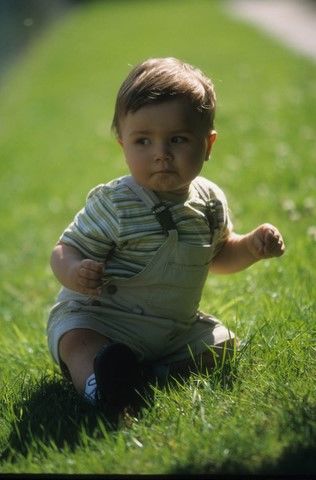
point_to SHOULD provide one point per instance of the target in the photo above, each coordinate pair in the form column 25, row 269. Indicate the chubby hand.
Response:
column 87, row 277
column 265, row 242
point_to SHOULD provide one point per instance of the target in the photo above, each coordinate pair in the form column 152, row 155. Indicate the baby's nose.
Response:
column 163, row 152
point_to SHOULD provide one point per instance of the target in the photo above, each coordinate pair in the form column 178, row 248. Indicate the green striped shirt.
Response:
column 116, row 227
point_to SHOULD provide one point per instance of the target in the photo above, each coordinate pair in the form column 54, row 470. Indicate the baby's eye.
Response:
column 143, row 141
column 178, row 139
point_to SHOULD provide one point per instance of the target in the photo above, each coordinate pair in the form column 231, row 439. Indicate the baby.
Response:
column 134, row 261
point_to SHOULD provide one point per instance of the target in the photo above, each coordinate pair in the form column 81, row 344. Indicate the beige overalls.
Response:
column 155, row 312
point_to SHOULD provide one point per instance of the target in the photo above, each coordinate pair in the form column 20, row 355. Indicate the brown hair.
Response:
column 161, row 79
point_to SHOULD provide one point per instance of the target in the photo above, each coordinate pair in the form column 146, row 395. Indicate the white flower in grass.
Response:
column 311, row 232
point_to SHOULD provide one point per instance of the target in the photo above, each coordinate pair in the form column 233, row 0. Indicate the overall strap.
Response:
column 159, row 209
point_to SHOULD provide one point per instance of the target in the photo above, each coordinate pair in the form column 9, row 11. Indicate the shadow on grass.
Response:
column 295, row 462
column 52, row 414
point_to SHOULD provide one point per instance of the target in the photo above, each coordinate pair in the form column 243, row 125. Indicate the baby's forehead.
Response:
column 177, row 109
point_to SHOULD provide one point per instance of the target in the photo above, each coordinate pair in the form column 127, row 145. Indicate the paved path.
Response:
column 291, row 21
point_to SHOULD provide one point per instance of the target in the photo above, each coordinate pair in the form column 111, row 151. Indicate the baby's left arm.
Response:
column 241, row 251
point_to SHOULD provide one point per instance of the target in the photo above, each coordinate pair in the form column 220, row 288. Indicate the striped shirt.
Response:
column 116, row 226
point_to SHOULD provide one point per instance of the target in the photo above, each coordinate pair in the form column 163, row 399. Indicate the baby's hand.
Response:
column 265, row 242
column 88, row 277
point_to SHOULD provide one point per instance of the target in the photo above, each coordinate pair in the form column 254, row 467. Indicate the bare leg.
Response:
column 77, row 349
column 206, row 361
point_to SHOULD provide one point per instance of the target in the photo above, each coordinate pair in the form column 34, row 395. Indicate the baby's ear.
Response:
column 210, row 139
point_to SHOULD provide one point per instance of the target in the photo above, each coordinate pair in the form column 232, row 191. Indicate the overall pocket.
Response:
column 179, row 293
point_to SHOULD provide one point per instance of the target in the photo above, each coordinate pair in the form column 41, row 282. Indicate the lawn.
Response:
column 56, row 111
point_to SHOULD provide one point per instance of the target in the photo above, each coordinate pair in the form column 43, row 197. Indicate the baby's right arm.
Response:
column 76, row 272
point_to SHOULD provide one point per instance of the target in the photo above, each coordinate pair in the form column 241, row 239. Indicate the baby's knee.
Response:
column 69, row 342
column 83, row 341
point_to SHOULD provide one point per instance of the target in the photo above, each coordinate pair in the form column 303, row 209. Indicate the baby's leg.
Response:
column 77, row 349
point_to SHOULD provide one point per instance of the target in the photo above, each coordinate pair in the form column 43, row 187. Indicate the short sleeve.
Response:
column 94, row 230
column 225, row 223
column 214, row 194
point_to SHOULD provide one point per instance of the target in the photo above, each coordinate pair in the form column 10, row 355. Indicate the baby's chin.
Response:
column 173, row 195
column 168, row 184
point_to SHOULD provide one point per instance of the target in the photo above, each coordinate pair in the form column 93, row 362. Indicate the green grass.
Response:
column 56, row 109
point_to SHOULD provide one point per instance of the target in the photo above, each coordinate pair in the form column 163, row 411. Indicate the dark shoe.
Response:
column 118, row 376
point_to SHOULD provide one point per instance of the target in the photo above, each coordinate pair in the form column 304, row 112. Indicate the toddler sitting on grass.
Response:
column 134, row 261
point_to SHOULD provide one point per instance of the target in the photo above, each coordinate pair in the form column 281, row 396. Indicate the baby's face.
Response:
column 165, row 146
